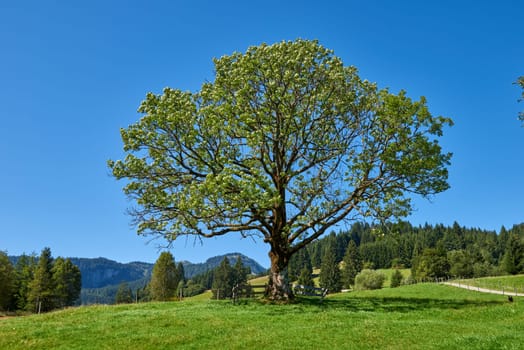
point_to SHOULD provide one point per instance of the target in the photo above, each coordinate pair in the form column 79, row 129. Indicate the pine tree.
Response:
column 25, row 269
column 298, row 262
column 513, row 260
column 240, row 272
column 7, row 282
column 223, row 280
column 67, row 280
column 124, row 294
column 41, row 296
column 164, row 278
column 396, row 278
column 329, row 270
column 352, row 265
column 181, row 274
column 305, row 278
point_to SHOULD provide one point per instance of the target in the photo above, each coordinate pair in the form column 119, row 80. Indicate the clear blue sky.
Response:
column 72, row 73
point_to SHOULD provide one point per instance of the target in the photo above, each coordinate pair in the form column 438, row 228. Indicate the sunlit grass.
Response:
column 425, row 316
column 510, row 284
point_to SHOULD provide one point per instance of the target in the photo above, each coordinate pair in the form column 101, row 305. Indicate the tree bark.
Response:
column 279, row 288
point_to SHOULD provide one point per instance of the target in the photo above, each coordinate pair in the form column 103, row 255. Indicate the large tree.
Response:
column 164, row 278
column 284, row 143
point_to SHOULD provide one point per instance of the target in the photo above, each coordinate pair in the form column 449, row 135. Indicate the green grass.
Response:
column 388, row 272
column 425, row 316
column 506, row 283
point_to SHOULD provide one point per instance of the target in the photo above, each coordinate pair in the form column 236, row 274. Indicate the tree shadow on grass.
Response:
column 393, row 304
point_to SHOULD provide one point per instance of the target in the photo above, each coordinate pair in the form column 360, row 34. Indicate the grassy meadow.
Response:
column 510, row 284
column 424, row 316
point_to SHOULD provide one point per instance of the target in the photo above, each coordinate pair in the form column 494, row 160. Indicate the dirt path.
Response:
column 484, row 290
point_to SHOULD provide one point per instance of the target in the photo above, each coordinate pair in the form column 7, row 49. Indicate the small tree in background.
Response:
column 25, row 268
column 41, row 295
column 305, row 278
column 513, row 260
column 223, row 280
column 164, row 278
column 369, row 279
column 432, row 263
column 329, row 270
column 396, row 278
column 7, row 282
column 352, row 265
column 67, row 281
column 240, row 272
column 124, row 294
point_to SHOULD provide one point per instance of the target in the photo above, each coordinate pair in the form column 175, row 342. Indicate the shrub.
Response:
column 369, row 279
column 396, row 278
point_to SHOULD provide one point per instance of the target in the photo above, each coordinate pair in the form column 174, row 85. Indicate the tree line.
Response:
column 38, row 284
column 430, row 251
column 168, row 281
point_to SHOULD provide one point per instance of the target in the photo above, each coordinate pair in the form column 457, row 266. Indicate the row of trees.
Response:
column 430, row 251
column 168, row 281
column 38, row 284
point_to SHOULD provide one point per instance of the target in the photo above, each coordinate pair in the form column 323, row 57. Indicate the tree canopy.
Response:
column 285, row 143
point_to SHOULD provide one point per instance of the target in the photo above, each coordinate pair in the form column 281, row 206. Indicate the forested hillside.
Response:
column 461, row 251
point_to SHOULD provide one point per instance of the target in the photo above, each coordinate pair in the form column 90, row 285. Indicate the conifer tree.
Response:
column 305, row 278
column 329, row 270
column 164, row 278
column 352, row 265
column 7, row 282
column 25, row 268
column 181, row 274
column 513, row 260
column 240, row 272
column 41, row 296
column 223, row 280
column 124, row 294
column 67, row 281
column 396, row 278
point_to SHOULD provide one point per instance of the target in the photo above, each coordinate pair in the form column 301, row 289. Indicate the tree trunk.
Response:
column 278, row 287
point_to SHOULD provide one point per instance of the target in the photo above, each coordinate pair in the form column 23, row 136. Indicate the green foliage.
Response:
column 330, row 277
column 461, row 264
column 25, row 267
column 305, row 278
column 7, row 282
column 67, row 282
column 164, row 278
column 285, row 142
column 396, row 279
column 45, row 283
column 369, row 280
column 41, row 296
column 223, row 280
column 225, row 277
column 352, row 265
column 513, row 261
column 433, row 263
column 300, row 261
column 124, row 295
